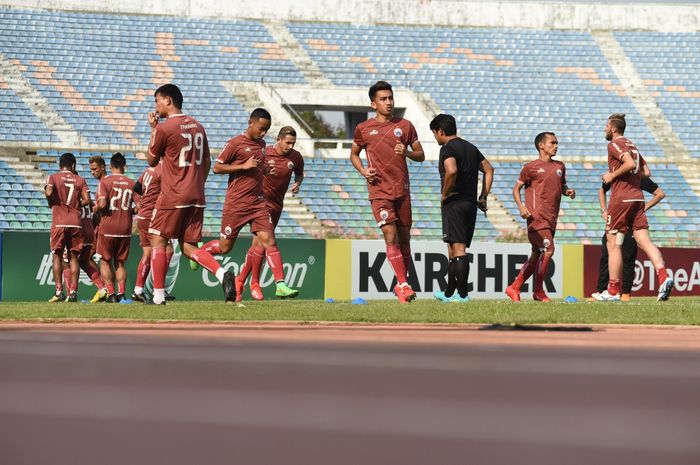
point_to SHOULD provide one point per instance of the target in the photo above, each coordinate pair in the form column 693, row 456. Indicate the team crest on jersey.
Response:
column 398, row 132
column 559, row 173
column 383, row 214
column 290, row 165
column 373, row 132
column 546, row 243
column 227, row 230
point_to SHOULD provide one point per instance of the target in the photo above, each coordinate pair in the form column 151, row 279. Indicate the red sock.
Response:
column 274, row 261
column 121, row 286
column 525, row 272
column 247, row 266
column 542, row 266
column 204, row 258
column 406, row 255
column 110, row 288
column 73, row 286
column 94, row 276
column 159, row 267
column 211, row 247
column 66, row 278
column 614, row 286
column 393, row 254
column 662, row 275
column 257, row 264
column 142, row 271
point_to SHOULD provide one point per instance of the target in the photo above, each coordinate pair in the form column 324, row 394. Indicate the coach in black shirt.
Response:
column 629, row 245
column 459, row 165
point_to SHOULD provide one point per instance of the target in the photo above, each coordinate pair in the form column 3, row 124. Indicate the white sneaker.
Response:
column 665, row 289
column 596, row 295
column 606, row 297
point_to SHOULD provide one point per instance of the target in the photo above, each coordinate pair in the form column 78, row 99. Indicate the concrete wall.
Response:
column 539, row 15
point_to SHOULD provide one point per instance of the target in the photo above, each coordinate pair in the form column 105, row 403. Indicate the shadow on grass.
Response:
column 519, row 327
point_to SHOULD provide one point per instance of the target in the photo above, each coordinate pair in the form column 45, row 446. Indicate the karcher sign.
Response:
column 492, row 268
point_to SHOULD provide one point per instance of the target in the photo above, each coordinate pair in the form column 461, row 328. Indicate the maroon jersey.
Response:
column 150, row 189
column 245, row 188
column 275, row 187
column 182, row 144
column 544, row 182
column 118, row 190
column 378, row 140
column 68, row 190
column 625, row 188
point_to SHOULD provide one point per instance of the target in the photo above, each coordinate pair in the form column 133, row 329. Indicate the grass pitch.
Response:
column 678, row 311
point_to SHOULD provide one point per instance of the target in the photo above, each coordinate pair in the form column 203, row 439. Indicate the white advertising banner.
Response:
column 492, row 267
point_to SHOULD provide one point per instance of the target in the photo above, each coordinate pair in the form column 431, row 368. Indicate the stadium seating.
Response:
column 669, row 64
column 503, row 85
column 99, row 71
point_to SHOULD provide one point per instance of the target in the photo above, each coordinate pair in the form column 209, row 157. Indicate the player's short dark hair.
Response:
column 260, row 113
column 97, row 159
column 541, row 136
column 67, row 160
column 376, row 87
column 118, row 160
column 617, row 120
column 444, row 122
column 172, row 91
column 286, row 131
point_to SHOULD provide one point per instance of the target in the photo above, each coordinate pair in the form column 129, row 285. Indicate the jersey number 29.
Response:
column 186, row 153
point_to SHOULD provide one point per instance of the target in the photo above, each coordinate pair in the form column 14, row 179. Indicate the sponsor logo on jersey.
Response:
column 398, row 132
column 247, row 149
column 541, row 170
column 373, row 132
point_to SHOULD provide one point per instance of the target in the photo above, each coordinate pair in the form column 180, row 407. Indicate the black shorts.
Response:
column 458, row 221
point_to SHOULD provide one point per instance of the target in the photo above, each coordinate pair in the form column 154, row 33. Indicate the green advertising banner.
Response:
column 27, row 273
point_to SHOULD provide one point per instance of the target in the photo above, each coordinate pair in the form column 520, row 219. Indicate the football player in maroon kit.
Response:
column 181, row 142
column 544, row 180
column 115, row 204
column 243, row 159
column 626, row 209
column 66, row 192
column 386, row 140
column 148, row 187
column 282, row 161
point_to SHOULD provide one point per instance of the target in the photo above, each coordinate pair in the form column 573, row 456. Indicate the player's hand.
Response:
column 250, row 163
column 604, row 214
column 571, row 193
column 481, row 203
column 153, row 119
column 399, row 148
column 607, row 178
column 525, row 213
column 295, row 187
column 370, row 175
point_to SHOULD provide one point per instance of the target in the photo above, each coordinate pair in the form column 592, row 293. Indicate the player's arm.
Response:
column 524, row 212
column 450, row 165
column 155, row 145
column 569, row 192
column 84, row 196
column 628, row 165
column 298, row 179
column 48, row 192
column 487, row 169
column 602, row 200
column 416, row 153
column 658, row 196
column 370, row 173
column 225, row 168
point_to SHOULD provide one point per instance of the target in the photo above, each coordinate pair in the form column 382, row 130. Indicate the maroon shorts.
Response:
column 387, row 211
column 232, row 221
column 113, row 247
column 542, row 239
column 69, row 238
column 88, row 233
column 623, row 216
column 144, row 236
column 183, row 224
